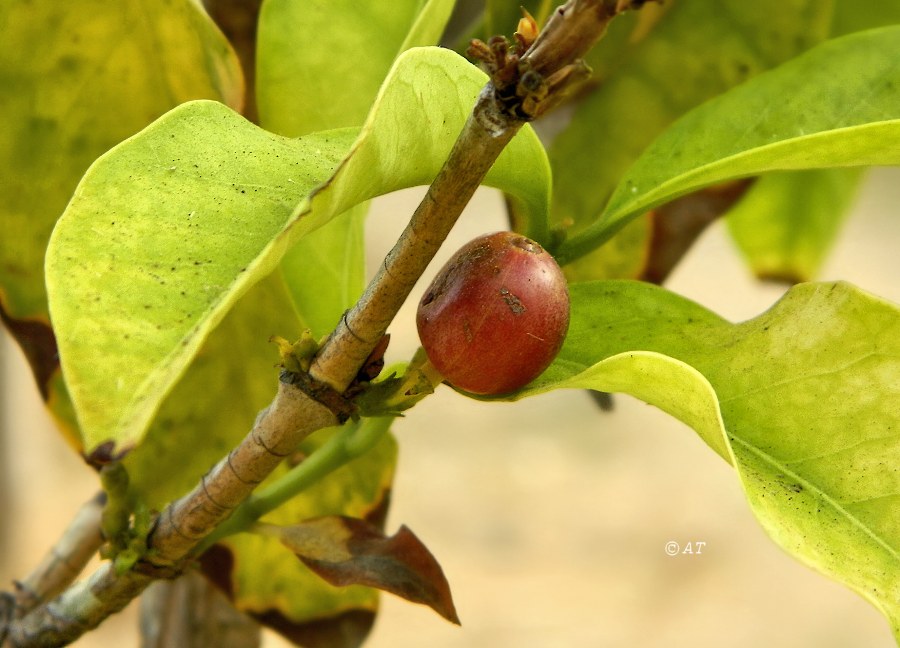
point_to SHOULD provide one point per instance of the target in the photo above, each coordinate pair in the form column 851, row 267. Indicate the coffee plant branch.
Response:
column 526, row 80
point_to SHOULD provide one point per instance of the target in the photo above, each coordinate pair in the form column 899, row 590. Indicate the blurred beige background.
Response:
column 549, row 518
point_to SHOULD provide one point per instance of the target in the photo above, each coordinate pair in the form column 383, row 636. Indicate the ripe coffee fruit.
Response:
column 496, row 315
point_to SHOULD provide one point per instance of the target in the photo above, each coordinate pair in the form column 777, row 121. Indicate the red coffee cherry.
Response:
column 496, row 315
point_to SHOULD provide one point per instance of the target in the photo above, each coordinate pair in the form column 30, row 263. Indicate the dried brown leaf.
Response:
column 348, row 551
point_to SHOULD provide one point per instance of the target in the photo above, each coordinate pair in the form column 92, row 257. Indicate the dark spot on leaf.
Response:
column 105, row 454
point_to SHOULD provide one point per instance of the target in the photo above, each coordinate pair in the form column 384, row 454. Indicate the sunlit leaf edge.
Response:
column 523, row 168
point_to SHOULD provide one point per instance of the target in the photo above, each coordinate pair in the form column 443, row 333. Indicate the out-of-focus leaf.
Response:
column 75, row 79
column 837, row 105
column 801, row 400
column 170, row 228
column 623, row 257
column 690, row 56
column 788, row 221
column 321, row 62
column 305, row 89
column 348, row 551
column 850, row 16
column 238, row 20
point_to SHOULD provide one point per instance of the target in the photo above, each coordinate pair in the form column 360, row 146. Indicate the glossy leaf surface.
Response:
column 801, row 400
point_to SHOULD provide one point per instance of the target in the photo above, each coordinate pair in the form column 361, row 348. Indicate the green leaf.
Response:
column 623, row 257
column 836, row 105
column 169, row 229
column 320, row 62
column 69, row 89
column 213, row 406
column 852, row 16
column 787, row 222
column 690, row 56
column 75, row 79
column 802, row 400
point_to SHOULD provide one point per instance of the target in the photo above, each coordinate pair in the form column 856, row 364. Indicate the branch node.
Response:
column 341, row 407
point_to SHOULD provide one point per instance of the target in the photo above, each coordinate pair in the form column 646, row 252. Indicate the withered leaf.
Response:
column 348, row 551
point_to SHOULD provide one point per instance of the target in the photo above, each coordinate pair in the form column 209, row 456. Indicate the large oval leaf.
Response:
column 802, row 400
column 76, row 79
column 837, row 105
column 167, row 230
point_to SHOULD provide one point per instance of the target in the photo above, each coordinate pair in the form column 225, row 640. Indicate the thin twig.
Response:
column 65, row 561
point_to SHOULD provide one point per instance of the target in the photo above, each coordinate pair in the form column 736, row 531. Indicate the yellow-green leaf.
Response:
column 802, row 400
column 75, row 79
column 320, row 62
column 693, row 54
column 169, row 229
